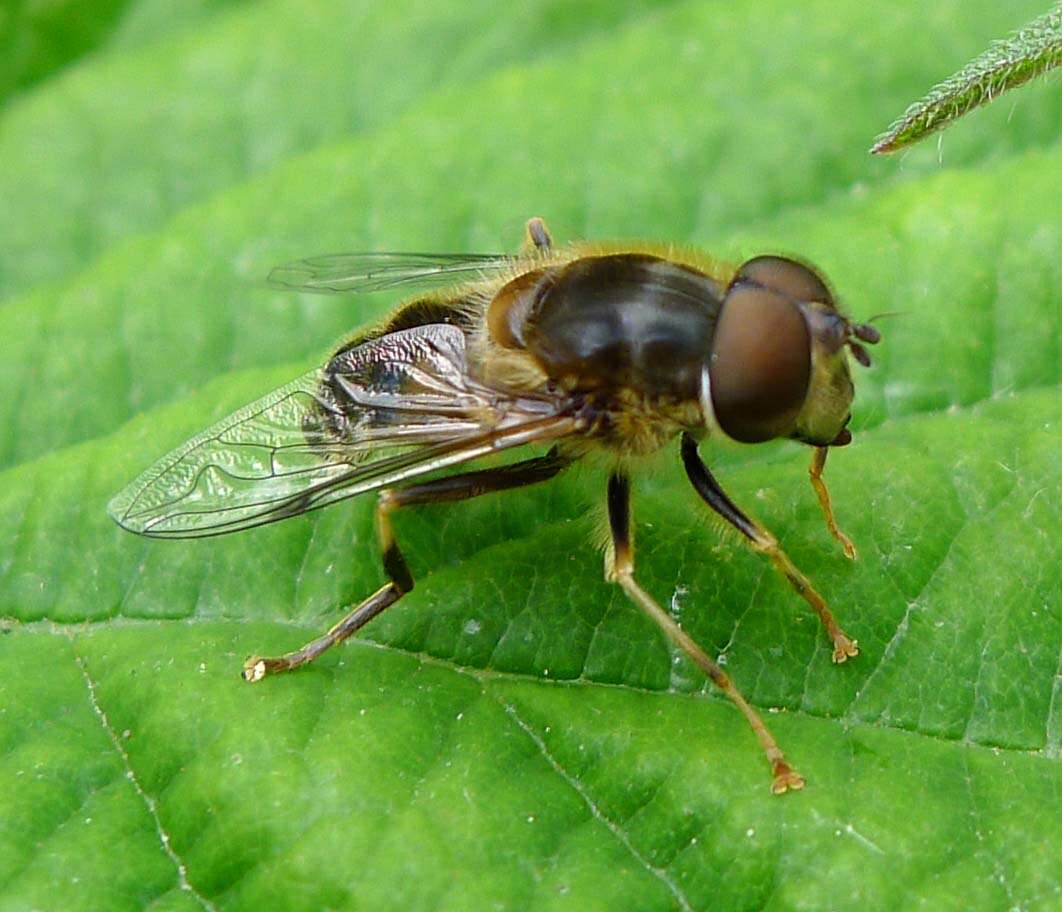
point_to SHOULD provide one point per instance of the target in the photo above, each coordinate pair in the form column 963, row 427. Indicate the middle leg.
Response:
column 620, row 569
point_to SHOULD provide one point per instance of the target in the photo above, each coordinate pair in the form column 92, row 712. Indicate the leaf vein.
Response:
column 149, row 803
column 614, row 828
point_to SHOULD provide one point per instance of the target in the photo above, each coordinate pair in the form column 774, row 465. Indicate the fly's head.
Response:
column 779, row 360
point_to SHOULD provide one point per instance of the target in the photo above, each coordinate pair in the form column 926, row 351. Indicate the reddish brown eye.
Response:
column 785, row 276
column 760, row 364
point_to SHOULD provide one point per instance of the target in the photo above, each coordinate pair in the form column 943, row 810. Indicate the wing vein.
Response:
column 395, row 407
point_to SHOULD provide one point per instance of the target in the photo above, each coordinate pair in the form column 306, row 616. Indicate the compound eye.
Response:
column 760, row 364
column 787, row 277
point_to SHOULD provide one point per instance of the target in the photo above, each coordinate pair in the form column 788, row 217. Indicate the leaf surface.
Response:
column 513, row 735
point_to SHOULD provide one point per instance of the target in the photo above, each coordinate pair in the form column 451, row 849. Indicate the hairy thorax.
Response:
column 626, row 336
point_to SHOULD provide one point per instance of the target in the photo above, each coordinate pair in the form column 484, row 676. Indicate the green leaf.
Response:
column 39, row 39
column 1032, row 51
column 513, row 734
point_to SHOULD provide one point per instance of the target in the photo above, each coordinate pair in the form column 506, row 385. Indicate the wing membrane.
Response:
column 390, row 409
column 343, row 273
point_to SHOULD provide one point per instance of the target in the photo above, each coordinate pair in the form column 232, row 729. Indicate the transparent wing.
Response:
column 390, row 409
column 343, row 273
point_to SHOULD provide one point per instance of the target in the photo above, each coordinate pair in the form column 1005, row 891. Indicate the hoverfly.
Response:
column 581, row 347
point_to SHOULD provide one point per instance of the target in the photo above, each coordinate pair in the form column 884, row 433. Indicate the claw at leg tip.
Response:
column 786, row 778
column 254, row 669
column 847, row 545
column 844, row 649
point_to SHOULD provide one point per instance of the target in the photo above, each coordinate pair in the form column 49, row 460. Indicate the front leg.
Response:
column 761, row 541
column 818, row 463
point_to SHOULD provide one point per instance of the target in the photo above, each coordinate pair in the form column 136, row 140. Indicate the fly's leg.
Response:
column 619, row 568
column 454, row 487
column 537, row 236
column 762, row 541
column 818, row 463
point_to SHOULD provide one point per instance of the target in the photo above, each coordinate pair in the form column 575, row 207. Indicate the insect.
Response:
column 580, row 347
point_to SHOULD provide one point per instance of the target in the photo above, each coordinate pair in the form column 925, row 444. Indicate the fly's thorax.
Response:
column 636, row 425
column 600, row 325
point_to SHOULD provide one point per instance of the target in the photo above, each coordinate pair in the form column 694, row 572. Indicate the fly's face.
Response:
column 778, row 365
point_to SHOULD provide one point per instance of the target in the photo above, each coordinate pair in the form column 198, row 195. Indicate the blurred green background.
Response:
column 513, row 735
